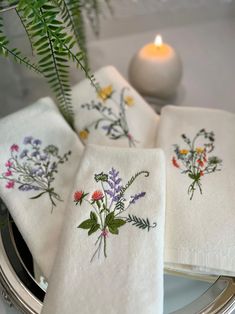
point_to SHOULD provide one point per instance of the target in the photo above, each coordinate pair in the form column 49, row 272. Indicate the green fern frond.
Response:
column 40, row 19
column 14, row 53
column 71, row 13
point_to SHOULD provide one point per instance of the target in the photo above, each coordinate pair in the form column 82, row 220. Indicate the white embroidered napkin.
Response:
column 110, row 258
column 200, row 211
column 116, row 115
column 39, row 156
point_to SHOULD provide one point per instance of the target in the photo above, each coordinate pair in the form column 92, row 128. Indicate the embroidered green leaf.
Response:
column 109, row 218
column 93, row 229
column 113, row 224
column 93, row 217
column 86, row 224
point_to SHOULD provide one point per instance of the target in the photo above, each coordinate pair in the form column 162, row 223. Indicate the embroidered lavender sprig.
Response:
column 108, row 206
column 33, row 168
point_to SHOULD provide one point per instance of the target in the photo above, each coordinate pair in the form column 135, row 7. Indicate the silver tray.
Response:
column 20, row 289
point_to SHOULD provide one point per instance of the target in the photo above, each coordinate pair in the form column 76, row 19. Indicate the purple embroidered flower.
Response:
column 43, row 157
column 35, row 153
column 28, row 140
column 28, row 187
column 33, row 171
column 24, row 153
column 37, row 142
column 114, row 184
column 40, row 172
column 136, row 197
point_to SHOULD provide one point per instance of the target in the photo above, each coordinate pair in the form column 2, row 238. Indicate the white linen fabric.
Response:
column 115, row 115
column 110, row 258
column 39, row 157
column 200, row 212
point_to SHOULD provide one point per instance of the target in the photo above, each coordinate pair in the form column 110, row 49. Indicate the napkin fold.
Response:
column 39, row 157
column 200, row 213
column 114, row 115
column 110, row 258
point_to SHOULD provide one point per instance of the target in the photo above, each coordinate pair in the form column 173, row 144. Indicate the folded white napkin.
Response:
column 115, row 115
column 39, row 156
column 200, row 212
column 110, row 258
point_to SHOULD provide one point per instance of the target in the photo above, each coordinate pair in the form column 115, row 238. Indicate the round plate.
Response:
column 22, row 290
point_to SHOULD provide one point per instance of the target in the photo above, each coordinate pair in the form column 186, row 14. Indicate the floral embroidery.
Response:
column 195, row 161
column 33, row 168
column 105, row 92
column 109, row 205
column 129, row 101
column 84, row 134
column 113, row 124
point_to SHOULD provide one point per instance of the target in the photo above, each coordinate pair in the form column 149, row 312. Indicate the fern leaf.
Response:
column 14, row 53
column 71, row 12
column 41, row 19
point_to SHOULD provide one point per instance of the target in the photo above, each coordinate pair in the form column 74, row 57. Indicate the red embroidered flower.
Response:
column 10, row 185
column 8, row 173
column 201, row 173
column 15, row 148
column 175, row 163
column 97, row 195
column 8, row 164
column 200, row 162
column 78, row 196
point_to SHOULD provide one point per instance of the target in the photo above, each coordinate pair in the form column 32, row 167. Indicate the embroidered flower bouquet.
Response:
column 196, row 161
column 33, row 168
column 110, row 207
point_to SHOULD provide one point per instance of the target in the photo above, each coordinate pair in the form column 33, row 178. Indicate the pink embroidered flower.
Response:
column 97, row 195
column 201, row 173
column 8, row 173
column 10, row 184
column 14, row 148
column 78, row 196
column 104, row 233
column 175, row 163
column 8, row 164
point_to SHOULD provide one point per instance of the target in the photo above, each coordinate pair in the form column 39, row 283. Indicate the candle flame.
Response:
column 158, row 41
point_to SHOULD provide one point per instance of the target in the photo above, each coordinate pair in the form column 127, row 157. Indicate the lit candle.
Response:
column 156, row 69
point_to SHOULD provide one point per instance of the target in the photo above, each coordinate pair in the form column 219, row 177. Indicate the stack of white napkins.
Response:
column 114, row 114
column 39, row 157
column 110, row 258
column 200, row 212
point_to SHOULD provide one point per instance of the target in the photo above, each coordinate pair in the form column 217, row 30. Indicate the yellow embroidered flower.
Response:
column 105, row 92
column 84, row 134
column 184, row 151
column 129, row 101
column 200, row 150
